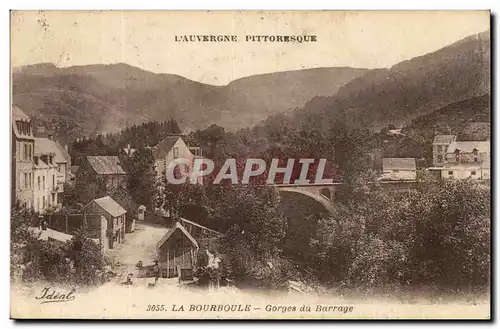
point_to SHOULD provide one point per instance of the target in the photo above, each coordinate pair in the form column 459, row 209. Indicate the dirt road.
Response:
column 139, row 245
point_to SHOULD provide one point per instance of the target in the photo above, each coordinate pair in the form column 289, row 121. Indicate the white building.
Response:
column 461, row 159
column 52, row 165
column 398, row 169
column 169, row 149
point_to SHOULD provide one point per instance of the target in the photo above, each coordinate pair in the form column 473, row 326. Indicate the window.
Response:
column 38, row 182
column 44, row 201
column 25, row 180
column 440, row 158
column 43, row 179
column 25, row 155
column 54, row 181
column 29, row 152
column 473, row 173
column 176, row 152
column 396, row 170
column 450, row 173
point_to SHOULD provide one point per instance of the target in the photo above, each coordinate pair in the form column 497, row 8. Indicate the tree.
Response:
column 210, row 137
column 436, row 235
column 141, row 176
column 86, row 257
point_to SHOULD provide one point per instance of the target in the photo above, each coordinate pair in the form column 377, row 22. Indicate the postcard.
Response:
column 250, row 165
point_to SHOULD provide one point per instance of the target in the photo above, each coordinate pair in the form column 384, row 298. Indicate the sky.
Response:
column 146, row 39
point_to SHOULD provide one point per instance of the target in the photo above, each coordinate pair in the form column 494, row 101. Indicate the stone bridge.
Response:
column 322, row 193
column 325, row 193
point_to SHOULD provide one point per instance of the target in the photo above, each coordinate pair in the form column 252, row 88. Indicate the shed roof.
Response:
column 444, row 139
column 168, row 235
column 110, row 206
column 399, row 163
column 105, row 164
column 469, row 146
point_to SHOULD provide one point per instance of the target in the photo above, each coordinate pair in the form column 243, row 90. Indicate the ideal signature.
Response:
column 50, row 295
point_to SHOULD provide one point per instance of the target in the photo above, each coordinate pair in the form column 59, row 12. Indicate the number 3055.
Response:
column 155, row 308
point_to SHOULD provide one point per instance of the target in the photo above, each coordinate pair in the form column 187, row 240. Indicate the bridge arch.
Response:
column 319, row 197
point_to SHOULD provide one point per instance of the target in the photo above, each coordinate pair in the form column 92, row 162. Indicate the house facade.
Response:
column 23, row 148
column 461, row 159
column 169, row 149
column 468, row 152
column 45, row 190
column 177, row 250
column 114, row 214
column 440, row 146
column 399, row 169
column 52, row 165
column 101, row 172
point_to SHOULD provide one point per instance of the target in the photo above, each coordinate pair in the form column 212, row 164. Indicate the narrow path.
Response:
column 138, row 246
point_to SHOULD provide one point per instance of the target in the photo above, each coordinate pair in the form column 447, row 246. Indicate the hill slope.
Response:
column 105, row 98
column 409, row 89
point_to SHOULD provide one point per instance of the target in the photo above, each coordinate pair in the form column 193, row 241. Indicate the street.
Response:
column 138, row 246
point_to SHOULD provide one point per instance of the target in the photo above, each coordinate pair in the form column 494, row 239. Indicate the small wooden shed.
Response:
column 176, row 250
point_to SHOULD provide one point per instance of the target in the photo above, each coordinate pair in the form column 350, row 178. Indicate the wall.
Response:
column 45, row 190
column 460, row 174
column 439, row 150
column 23, row 164
column 400, row 175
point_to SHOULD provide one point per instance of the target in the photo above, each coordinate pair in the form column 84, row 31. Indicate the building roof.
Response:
column 175, row 227
column 110, row 206
column 469, row 146
column 17, row 114
column 162, row 148
column 48, row 234
column 63, row 152
column 41, row 164
column 187, row 221
column 399, row 163
column 105, row 164
column 18, row 129
column 48, row 146
column 444, row 139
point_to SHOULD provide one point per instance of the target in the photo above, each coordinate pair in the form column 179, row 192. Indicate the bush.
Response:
column 437, row 235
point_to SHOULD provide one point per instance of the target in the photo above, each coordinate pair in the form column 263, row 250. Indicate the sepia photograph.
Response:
column 250, row 165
